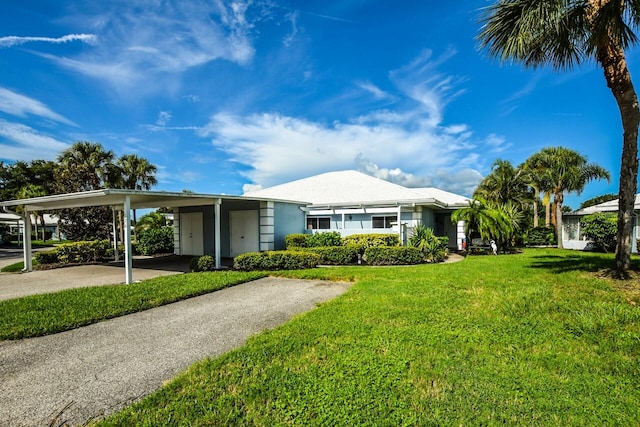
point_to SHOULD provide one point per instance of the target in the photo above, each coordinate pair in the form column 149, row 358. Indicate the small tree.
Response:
column 601, row 229
column 433, row 248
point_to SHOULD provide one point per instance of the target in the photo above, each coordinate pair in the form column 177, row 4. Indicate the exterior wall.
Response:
column 288, row 219
column 572, row 237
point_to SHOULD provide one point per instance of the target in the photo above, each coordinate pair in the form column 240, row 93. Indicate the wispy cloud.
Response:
column 9, row 41
column 139, row 39
column 20, row 142
column 20, row 105
column 163, row 118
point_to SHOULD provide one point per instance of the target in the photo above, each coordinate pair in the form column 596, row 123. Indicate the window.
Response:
column 318, row 223
column 383, row 221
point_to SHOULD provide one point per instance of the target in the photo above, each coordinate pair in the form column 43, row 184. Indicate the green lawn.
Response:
column 56, row 312
column 531, row 339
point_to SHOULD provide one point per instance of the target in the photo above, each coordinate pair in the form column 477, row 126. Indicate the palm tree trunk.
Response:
column 557, row 202
column 42, row 223
column 614, row 64
column 547, row 214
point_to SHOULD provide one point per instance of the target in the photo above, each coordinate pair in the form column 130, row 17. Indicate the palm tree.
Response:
column 505, row 184
column 84, row 166
column 564, row 33
column 538, row 178
column 150, row 221
column 566, row 171
column 483, row 219
column 133, row 173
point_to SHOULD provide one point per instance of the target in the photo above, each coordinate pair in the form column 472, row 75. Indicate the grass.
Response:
column 45, row 314
column 17, row 267
column 530, row 339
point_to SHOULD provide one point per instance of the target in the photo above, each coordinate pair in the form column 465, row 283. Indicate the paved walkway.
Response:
column 74, row 376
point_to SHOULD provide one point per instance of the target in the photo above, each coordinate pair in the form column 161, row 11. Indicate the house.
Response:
column 572, row 237
column 349, row 202
column 352, row 202
column 14, row 224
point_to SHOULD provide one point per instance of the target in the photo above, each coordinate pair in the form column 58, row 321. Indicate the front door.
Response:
column 245, row 236
column 191, row 236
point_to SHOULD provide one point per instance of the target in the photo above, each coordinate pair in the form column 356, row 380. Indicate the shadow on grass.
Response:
column 580, row 261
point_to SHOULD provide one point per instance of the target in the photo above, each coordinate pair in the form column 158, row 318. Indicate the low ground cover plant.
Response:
column 529, row 339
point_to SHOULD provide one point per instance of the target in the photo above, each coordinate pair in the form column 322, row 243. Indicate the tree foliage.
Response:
column 565, row 33
column 601, row 229
column 597, row 200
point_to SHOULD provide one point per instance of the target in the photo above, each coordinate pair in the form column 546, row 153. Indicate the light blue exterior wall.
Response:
column 288, row 219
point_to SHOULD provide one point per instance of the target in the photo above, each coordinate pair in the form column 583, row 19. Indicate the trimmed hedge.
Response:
column 328, row 238
column 393, row 255
column 46, row 257
column 84, row 251
column 297, row 240
column 336, row 255
column 541, row 236
column 276, row 260
column 363, row 241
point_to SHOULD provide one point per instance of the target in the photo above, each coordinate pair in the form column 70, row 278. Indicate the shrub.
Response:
column 433, row 248
column 202, row 263
column 393, row 255
column 296, row 240
column 155, row 241
column 79, row 252
column 47, row 257
column 541, row 236
column 276, row 260
column 329, row 238
column 601, row 229
column 364, row 241
column 336, row 255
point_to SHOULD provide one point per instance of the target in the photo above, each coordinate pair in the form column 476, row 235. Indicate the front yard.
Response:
column 530, row 339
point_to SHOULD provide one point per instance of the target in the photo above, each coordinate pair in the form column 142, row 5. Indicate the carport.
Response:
column 118, row 200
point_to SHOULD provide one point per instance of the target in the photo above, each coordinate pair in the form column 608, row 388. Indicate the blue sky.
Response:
column 224, row 95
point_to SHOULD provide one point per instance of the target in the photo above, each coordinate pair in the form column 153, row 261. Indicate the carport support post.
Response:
column 26, row 241
column 216, row 238
column 115, row 236
column 127, row 240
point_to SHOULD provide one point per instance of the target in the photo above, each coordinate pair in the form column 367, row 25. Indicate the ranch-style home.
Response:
column 349, row 202
column 572, row 237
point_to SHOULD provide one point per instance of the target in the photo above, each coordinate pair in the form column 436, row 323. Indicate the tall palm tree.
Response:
column 505, row 184
column 133, row 173
column 566, row 171
column 84, row 166
column 564, row 33
column 482, row 218
column 538, row 178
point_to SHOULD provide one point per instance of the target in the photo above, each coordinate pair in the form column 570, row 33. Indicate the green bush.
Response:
column 155, row 241
column 46, row 257
column 336, row 255
column 296, row 240
column 276, row 260
column 541, row 236
column 601, row 229
column 84, row 251
column 328, row 238
column 202, row 263
column 393, row 255
column 433, row 248
column 364, row 241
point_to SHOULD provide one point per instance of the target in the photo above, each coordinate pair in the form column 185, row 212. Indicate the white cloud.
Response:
column 409, row 145
column 138, row 39
column 20, row 142
column 374, row 90
column 9, row 41
column 163, row 118
column 19, row 105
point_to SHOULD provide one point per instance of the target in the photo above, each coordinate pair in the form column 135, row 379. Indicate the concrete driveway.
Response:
column 75, row 376
column 14, row 285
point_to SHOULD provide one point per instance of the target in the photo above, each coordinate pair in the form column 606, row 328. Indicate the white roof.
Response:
column 610, row 206
column 349, row 187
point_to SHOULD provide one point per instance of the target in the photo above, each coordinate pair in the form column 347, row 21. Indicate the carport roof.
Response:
column 115, row 197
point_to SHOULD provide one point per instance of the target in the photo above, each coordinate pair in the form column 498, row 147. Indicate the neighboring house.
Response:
column 352, row 202
column 16, row 224
column 572, row 237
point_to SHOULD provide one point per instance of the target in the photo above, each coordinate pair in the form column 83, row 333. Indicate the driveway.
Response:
column 14, row 285
column 74, row 376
